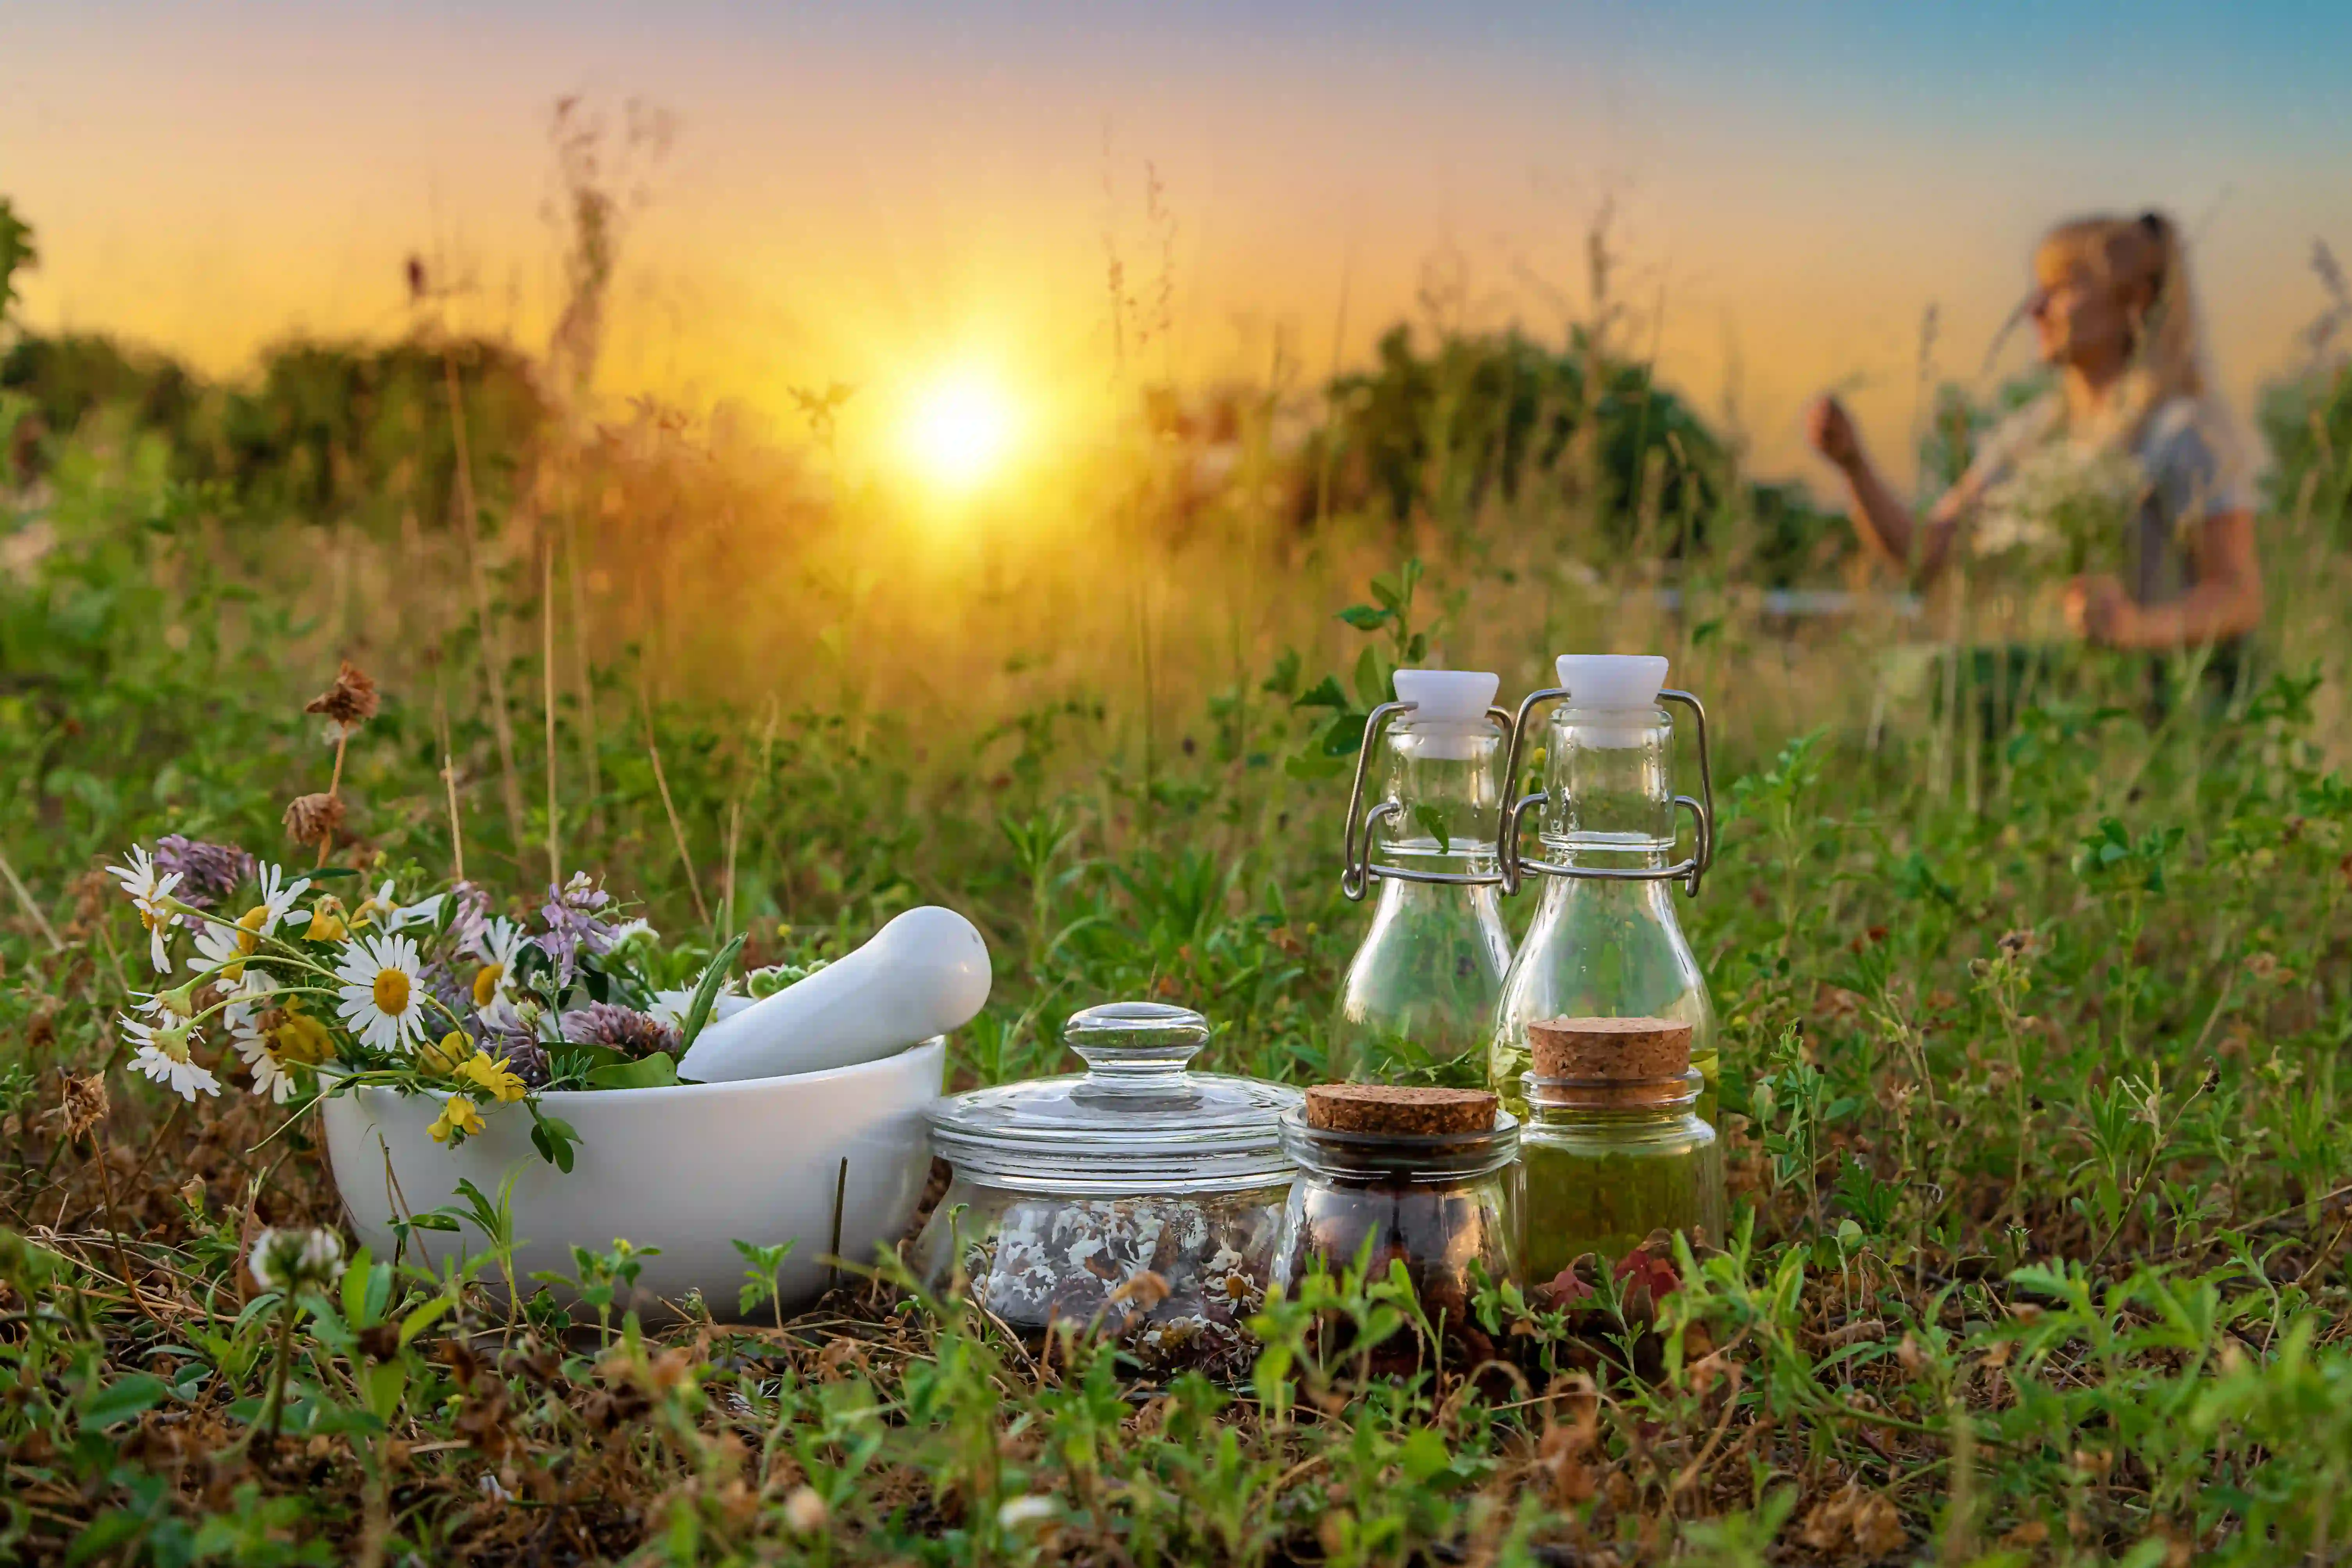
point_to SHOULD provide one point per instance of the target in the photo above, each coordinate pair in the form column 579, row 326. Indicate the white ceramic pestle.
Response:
column 924, row 974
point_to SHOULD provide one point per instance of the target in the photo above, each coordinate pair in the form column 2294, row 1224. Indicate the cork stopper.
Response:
column 1612, row 1061
column 1403, row 1111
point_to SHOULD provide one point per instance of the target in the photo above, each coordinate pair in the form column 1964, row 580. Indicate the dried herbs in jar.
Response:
column 1408, row 1176
column 1138, row 1199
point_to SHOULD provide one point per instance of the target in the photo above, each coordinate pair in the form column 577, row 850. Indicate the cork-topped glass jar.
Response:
column 1612, row 1151
column 1393, row 1174
column 1138, row 1198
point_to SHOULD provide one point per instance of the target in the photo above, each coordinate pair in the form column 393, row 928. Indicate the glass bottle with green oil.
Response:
column 1604, row 942
column 1611, row 1150
column 1417, row 1005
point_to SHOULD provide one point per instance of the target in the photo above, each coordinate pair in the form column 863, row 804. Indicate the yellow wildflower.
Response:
column 326, row 921
column 458, row 1117
column 302, row 1038
column 249, row 926
column 448, row 1054
column 378, row 908
column 493, row 1076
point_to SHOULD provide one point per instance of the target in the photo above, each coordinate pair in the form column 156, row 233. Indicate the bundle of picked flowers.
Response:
column 423, row 990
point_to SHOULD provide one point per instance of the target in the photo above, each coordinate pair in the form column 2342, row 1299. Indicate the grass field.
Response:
column 2031, row 1041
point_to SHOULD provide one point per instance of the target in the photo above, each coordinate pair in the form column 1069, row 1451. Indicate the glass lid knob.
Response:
column 1141, row 1045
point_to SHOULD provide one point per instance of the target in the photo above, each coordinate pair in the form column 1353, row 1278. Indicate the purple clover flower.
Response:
column 208, row 872
column 575, row 927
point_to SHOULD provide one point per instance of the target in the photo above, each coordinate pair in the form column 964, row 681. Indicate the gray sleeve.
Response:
column 2191, row 476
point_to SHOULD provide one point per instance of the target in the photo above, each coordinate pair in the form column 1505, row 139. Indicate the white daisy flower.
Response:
column 148, row 888
column 227, row 947
column 498, row 945
column 248, row 997
column 383, row 991
column 424, row 911
column 176, row 1003
column 269, row 1075
column 162, row 1054
column 672, row 1007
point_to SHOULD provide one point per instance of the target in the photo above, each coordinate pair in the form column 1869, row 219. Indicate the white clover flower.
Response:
column 291, row 1260
column 147, row 887
column 384, row 993
column 162, row 1054
column 1027, row 1508
column 804, row 1510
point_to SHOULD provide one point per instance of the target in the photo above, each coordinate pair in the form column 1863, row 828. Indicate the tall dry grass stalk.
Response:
column 470, row 529
column 546, row 540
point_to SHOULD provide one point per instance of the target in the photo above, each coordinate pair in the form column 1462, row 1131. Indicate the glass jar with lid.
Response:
column 1417, row 1005
column 1137, row 1198
column 1410, row 1174
column 1611, row 1152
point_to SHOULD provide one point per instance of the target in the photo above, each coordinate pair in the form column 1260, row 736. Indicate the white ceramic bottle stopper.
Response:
column 1449, row 709
column 924, row 974
column 1626, row 683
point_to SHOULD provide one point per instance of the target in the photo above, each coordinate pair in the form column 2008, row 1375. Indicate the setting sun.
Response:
column 961, row 430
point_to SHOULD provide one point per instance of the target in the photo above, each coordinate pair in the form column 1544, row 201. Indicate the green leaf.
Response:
column 1371, row 679
column 123, row 1401
column 554, row 1138
column 1425, row 1455
column 1434, row 825
column 422, row 1317
column 386, row 1381
column 1365, row 619
column 1344, row 737
column 1283, row 679
column 1325, row 693
column 706, row 995
column 106, row 1532
column 658, row 1070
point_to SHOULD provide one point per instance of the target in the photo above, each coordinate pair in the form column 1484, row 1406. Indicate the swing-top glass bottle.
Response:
column 1604, row 942
column 1417, row 1005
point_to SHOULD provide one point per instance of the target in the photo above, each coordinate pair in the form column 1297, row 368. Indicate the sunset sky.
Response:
column 870, row 193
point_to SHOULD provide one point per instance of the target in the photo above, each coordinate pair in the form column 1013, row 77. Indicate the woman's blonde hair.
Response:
column 2143, row 260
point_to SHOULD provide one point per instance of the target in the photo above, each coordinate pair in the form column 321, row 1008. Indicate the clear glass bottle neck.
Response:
column 1609, row 783
column 1442, row 799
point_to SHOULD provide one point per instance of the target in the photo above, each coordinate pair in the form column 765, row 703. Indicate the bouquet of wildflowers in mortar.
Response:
column 420, row 990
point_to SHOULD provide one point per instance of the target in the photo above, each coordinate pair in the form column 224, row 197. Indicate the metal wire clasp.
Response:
column 1511, row 865
column 1357, row 872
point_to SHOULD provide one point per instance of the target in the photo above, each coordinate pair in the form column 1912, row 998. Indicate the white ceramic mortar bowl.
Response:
column 690, row 1169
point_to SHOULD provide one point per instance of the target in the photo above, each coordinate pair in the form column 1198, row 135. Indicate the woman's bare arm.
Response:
column 1919, row 546
column 2226, row 603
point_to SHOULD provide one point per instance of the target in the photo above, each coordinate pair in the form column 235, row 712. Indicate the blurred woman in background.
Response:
column 2112, row 509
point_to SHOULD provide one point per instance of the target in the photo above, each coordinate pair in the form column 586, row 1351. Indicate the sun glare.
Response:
column 959, row 431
